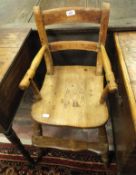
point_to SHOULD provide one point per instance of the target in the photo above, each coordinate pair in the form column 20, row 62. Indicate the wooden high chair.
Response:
column 71, row 96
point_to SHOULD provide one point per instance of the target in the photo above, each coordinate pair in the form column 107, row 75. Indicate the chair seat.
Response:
column 70, row 97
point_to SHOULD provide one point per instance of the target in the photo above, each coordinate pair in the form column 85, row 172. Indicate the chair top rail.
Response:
column 71, row 15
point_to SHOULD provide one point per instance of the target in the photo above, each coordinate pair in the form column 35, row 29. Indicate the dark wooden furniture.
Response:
column 64, row 99
column 14, row 56
column 124, row 104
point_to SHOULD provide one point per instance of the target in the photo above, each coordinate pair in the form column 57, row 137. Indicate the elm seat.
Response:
column 70, row 97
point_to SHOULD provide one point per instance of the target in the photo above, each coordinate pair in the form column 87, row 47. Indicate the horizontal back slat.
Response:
column 71, row 15
column 73, row 45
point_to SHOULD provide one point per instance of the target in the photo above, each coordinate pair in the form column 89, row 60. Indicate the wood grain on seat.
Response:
column 70, row 97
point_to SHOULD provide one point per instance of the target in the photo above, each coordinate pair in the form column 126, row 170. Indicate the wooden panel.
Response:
column 49, row 4
column 10, row 42
column 123, row 12
column 7, row 56
column 61, row 15
column 70, row 97
column 92, row 3
column 121, row 9
column 125, row 44
column 12, row 37
column 73, row 45
column 16, row 11
column 124, row 106
column 13, row 66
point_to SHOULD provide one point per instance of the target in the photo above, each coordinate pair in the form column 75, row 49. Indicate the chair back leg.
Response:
column 103, row 139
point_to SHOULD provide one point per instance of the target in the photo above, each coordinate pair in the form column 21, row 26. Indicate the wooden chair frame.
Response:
column 60, row 15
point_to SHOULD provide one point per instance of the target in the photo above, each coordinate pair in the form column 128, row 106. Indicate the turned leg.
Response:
column 104, row 141
column 13, row 138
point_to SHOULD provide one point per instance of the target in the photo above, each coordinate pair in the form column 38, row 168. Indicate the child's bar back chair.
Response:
column 71, row 96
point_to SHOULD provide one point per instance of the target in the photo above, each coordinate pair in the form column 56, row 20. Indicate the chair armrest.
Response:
column 112, row 86
column 25, row 82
